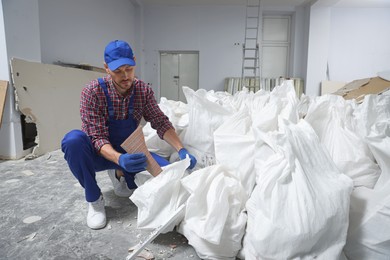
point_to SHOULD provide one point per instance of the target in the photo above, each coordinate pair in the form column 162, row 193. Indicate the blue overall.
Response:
column 84, row 161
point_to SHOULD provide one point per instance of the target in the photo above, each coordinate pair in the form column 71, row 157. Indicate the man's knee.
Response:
column 73, row 140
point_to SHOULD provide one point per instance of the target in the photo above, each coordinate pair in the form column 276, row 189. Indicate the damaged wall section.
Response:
column 49, row 96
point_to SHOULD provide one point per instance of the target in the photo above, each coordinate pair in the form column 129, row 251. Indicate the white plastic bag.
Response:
column 235, row 148
column 369, row 230
column 299, row 207
column 214, row 221
column 177, row 112
column 331, row 117
column 282, row 102
column 159, row 197
column 373, row 124
column 205, row 117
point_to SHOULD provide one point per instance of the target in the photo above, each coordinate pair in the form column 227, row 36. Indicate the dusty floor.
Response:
column 43, row 216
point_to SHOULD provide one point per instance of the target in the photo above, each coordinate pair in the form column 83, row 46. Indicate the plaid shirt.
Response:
column 94, row 111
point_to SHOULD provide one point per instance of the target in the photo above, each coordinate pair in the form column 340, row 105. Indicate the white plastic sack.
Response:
column 350, row 153
column 379, row 143
column 369, row 230
column 159, row 197
column 299, row 207
column 235, row 148
column 373, row 124
column 247, row 99
column 331, row 118
column 155, row 143
column 282, row 102
column 177, row 112
column 214, row 221
column 205, row 117
column 289, row 100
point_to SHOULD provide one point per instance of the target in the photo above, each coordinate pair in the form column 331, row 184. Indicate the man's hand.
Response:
column 132, row 162
column 183, row 153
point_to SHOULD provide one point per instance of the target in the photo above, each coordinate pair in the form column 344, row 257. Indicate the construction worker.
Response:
column 111, row 108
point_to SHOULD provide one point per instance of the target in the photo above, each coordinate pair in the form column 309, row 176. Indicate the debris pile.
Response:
column 278, row 176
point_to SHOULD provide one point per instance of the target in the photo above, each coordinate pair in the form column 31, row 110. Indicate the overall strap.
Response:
column 131, row 104
column 109, row 103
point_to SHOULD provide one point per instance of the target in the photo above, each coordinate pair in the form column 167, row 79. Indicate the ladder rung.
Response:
column 251, row 38
column 250, row 49
column 248, row 58
column 253, row 17
column 253, row 5
column 251, row 68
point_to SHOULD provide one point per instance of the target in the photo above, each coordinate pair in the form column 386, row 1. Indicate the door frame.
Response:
column 174, row 52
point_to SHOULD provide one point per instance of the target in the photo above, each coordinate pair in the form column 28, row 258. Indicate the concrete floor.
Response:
column 43, row 216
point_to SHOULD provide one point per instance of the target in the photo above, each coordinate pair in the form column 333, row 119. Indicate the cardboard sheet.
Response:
column 3, row 95
column 49, row 96
column 135, row 143
column 357, row 89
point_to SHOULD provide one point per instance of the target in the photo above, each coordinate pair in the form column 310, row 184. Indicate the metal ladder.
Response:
column 251, row 71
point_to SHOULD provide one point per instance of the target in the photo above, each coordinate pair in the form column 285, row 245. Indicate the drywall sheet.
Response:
column 329, row 87
column 3, row 95
column 49, row 96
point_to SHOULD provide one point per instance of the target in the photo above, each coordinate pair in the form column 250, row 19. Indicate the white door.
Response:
column 178, row 69
column 275, row 46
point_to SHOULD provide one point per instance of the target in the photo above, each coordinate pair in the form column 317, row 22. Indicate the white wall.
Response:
column 359, row 43
column 318, row 49
column 21, row 29
column 76, row 31
column 211, row 30
column 299, row 42
column 51, row 30
column 346, row 44
column 4, row 71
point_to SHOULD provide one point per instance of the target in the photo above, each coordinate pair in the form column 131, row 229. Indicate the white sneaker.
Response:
column 120, row 186
column 96, row 217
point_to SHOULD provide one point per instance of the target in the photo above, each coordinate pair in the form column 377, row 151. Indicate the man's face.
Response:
column 123, row 77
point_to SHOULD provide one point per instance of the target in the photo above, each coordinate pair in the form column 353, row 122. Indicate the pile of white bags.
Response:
column 278, row 177
column 369, row 230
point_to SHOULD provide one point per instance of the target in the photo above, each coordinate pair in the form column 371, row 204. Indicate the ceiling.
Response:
column 223, row 2
column 289, row 3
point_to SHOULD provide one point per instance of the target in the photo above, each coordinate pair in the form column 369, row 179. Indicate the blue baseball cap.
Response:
column 118, row 53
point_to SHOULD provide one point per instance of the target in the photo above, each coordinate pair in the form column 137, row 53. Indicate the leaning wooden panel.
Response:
column 49, row 96
column 3, row 95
